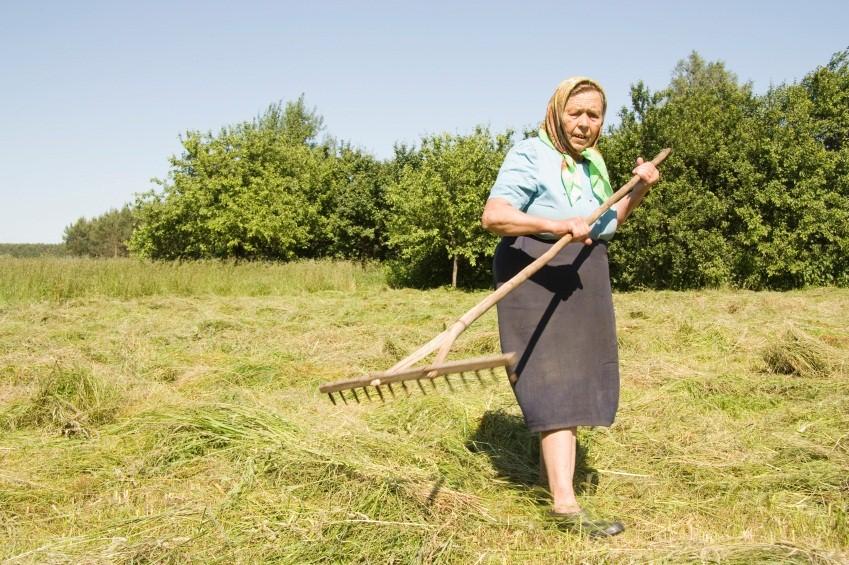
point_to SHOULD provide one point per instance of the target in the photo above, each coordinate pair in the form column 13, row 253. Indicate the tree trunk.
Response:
column 454, row 274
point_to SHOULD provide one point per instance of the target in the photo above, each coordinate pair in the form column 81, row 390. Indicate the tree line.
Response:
column 755, row 194
column 21, row 250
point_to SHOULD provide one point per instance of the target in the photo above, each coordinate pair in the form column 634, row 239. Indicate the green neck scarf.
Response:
column 599, row 179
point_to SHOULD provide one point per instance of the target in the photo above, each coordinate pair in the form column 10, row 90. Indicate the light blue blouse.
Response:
column 529, row 179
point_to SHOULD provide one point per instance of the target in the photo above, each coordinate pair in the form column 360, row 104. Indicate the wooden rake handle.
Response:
column 446, row 339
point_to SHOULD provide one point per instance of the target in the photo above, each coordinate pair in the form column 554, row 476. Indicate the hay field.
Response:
column 174, row 417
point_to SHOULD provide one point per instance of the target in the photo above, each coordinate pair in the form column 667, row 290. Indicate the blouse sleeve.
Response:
column 517, row 179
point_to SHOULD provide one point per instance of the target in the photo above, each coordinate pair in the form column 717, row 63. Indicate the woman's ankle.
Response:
column 566, row 507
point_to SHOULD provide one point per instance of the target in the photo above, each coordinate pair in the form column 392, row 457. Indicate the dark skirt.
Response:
column 562, row 326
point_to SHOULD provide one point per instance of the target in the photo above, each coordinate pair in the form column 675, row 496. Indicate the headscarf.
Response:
column 552, row 134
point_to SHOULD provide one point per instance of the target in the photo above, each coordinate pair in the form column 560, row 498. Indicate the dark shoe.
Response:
column 583, row 523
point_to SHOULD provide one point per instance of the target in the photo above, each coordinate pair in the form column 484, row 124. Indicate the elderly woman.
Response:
column 561, row 322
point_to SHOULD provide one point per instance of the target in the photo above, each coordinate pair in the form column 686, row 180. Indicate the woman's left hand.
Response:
column 647, row 172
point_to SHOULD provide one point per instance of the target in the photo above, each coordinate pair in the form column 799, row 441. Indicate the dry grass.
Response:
column 205, row 440
column 798, row 353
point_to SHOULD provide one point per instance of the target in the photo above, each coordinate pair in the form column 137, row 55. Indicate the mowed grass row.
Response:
column 190, row 429
column 56, row 279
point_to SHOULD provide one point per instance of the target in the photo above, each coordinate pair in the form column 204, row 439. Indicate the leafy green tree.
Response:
column 678, row 238
column 755, row 193
column 103, row 236
column 76, row 237
column 250, row 192
column 436, row 203
column 795, row 225
column 266, row 189
column 827, row 88
column 352, row 210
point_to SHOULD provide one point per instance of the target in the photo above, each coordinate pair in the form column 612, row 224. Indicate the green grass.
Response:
column 59, row 279
column 185, row 426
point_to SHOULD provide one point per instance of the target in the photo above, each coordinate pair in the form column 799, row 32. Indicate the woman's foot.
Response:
column 582, row 522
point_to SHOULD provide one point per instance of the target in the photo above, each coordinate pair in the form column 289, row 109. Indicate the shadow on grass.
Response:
column 514, row 452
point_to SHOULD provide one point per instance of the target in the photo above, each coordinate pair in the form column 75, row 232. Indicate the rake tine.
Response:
column 392, row 390
column 345, row 400
column 380, row 393
column 404, row 386
column 365, row 390
column 333, row 400
column 463, row 378
column 355, row 395
column 478, row 376
column 447, row 380
column 419, row 382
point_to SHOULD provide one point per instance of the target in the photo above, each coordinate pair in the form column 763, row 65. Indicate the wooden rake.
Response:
column 404, row 370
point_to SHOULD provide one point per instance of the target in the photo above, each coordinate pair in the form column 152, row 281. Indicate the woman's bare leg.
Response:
column 558, row 451
column 543, row 474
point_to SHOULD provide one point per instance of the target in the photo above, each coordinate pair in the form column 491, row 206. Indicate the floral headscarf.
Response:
column 552, row 134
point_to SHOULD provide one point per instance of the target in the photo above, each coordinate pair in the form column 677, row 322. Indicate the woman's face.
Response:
column 582, row 118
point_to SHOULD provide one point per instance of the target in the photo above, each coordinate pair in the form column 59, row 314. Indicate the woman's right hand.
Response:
column 577, row 227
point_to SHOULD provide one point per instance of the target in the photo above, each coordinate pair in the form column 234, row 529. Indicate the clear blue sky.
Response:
column 95, row 94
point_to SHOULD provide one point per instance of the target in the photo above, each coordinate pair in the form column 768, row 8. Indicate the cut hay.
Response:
column 68, row 398
column 798, row 353
column 209, row 444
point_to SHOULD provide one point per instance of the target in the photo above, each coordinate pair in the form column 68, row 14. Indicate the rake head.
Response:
column 465, row 371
